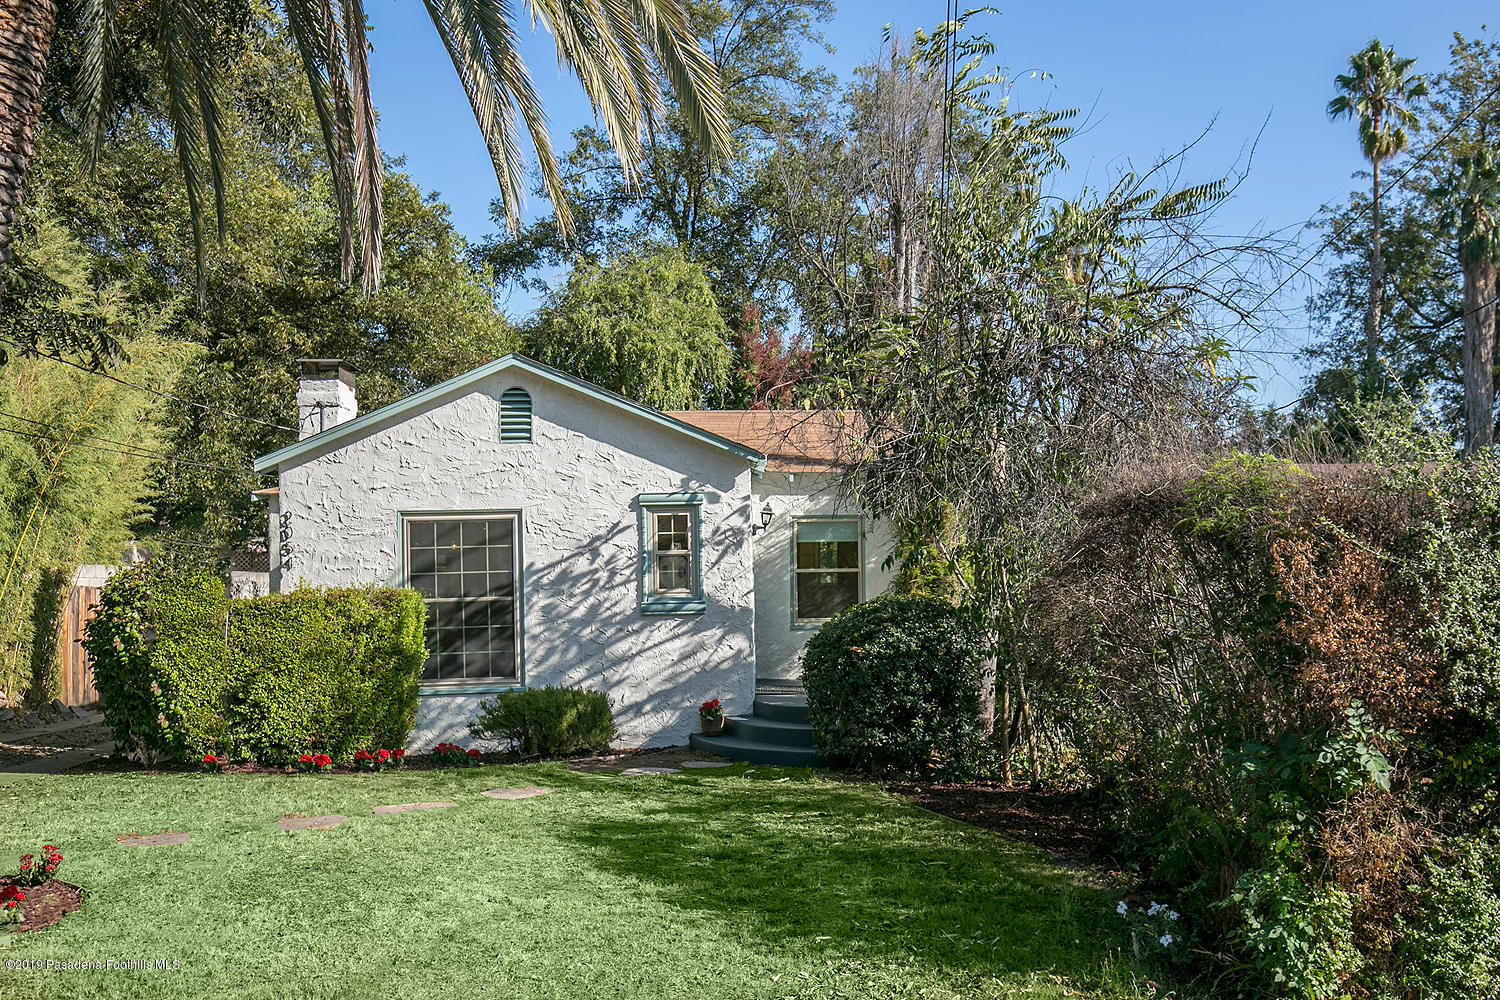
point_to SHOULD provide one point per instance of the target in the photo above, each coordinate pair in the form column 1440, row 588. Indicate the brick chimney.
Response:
column 325, row 395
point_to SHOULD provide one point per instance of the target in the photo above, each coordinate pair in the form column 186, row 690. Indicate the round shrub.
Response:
column 893, row 685
column 547, row 721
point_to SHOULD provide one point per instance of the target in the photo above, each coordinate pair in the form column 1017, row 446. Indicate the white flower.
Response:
column 1173, row 914
column 1122, row 909
column 1154, row 909
column 1166, row 940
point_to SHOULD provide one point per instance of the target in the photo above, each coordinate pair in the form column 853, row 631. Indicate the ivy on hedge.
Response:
column 184, row 671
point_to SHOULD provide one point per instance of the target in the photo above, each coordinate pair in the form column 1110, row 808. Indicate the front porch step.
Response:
column 753, row 751
column 775, row 733
column 781, row 707
column 756, row 729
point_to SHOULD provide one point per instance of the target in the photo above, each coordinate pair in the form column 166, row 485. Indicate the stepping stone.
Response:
column 705, row 763
column 525, row 792
column 407, row 807
column 290, row 823
column 637, row 772
column 167, row 839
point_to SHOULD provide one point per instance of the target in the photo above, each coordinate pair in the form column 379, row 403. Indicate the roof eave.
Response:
column 274, row 459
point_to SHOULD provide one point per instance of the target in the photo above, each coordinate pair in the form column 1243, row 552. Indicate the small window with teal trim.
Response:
column 671, row 553
column 515, row 415
column 827, row 568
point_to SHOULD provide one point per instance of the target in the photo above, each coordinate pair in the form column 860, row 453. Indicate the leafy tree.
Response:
column 1049, row 343
column 1378, row 90
column 644, row 325
column 1470, row 199
column 620, row 53
column 274, row 290
column 725, row 213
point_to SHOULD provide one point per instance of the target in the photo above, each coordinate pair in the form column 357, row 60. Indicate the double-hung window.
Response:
column 671, row 556
column 827, row 568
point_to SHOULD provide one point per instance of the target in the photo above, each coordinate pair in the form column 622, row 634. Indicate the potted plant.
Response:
column 711, row 717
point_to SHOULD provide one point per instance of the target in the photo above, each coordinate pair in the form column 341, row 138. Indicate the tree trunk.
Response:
column 989, row 674
column 1479, row 355
column 26, row 29
column 1377, row 279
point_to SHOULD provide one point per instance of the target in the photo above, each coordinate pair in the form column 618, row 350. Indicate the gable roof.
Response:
column 419, row 400
column 792, row 440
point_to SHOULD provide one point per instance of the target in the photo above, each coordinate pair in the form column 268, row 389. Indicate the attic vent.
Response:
column 515, row 415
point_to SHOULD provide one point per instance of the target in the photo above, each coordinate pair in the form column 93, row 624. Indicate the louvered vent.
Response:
column 515, row 415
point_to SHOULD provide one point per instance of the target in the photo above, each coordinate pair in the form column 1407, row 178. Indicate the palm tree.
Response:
column 619, row 50
column 1470, row 198
column 1378, row 89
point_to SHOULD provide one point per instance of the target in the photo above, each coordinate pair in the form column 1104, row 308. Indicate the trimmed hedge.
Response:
column 893, row 685
column 547, row 722
column 184, row 671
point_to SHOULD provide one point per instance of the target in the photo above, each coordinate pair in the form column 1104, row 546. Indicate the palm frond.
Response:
column 369, row 169
column 96, row 73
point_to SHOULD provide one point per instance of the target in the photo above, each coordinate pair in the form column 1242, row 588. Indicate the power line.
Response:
column 142, row 388
column 129, row 455
column 1400, row 180
column 138, row 449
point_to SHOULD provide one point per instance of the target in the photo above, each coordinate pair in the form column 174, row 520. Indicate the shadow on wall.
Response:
column 585, row 630
column 844, row 870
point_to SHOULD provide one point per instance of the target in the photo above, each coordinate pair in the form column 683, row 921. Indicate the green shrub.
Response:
column 1296, row 932
column 547, row 722
column 893, row 685
column 1452, row 945
column 184, row 671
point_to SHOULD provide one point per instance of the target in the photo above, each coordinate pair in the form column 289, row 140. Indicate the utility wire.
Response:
column 1398, row 181
column 142, row 388
column 115, row 451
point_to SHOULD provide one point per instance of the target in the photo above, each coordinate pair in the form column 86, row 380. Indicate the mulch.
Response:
column 45, row 904
column 1059, row 822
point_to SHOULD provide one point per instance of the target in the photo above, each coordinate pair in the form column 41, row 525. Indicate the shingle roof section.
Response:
column 791, row 440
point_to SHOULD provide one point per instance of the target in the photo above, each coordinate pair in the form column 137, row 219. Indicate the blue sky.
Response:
column 1151, row 76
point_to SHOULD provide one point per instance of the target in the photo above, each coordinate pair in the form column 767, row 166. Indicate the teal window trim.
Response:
column 811, row 624
column 649, row 504
column 431, row 690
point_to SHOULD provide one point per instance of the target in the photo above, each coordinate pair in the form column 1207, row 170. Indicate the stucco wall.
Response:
column 778, row 642
column 575, row 486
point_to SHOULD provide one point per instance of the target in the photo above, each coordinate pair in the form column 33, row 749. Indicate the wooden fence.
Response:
column 77, row 673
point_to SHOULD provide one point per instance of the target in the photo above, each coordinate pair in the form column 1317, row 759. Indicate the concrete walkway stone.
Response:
column 406, row 807
column 524, row 792
column 164, row 839
column 637, row 772
column 290, row 823
column 705, row 763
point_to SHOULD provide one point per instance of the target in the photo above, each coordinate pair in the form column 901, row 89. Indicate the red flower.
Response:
column 364, row 755
column 305, row 759
column 401, row 753
column 11, row 905
column 209, row 758
column 49, row 848
column 384, row 755
column 473, row 753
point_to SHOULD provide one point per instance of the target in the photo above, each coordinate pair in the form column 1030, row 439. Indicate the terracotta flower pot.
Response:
column 711, row 727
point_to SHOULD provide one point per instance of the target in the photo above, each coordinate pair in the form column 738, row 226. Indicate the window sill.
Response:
column 674, row 606
column 808, row 626
column 438, row 689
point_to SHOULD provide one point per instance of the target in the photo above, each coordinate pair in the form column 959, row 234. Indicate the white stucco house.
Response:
column 564, row 535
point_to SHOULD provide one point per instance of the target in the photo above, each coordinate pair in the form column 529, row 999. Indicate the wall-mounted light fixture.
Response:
column 766, row 513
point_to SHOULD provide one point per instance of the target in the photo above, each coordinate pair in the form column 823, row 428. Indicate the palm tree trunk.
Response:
column 1479, row 355
column 26, row 28
column 1377, row 279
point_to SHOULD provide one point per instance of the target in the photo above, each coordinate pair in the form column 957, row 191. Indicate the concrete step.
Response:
column 786, row 734
column 781, row 707
column 753, row 751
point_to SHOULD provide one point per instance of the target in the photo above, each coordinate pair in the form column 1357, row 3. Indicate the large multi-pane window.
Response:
column 826, row 568
column 465, row 570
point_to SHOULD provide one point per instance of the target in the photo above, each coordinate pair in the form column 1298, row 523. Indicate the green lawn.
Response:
column 733, row 883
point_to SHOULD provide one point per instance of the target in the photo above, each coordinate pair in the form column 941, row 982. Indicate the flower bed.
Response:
column 35, row 898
